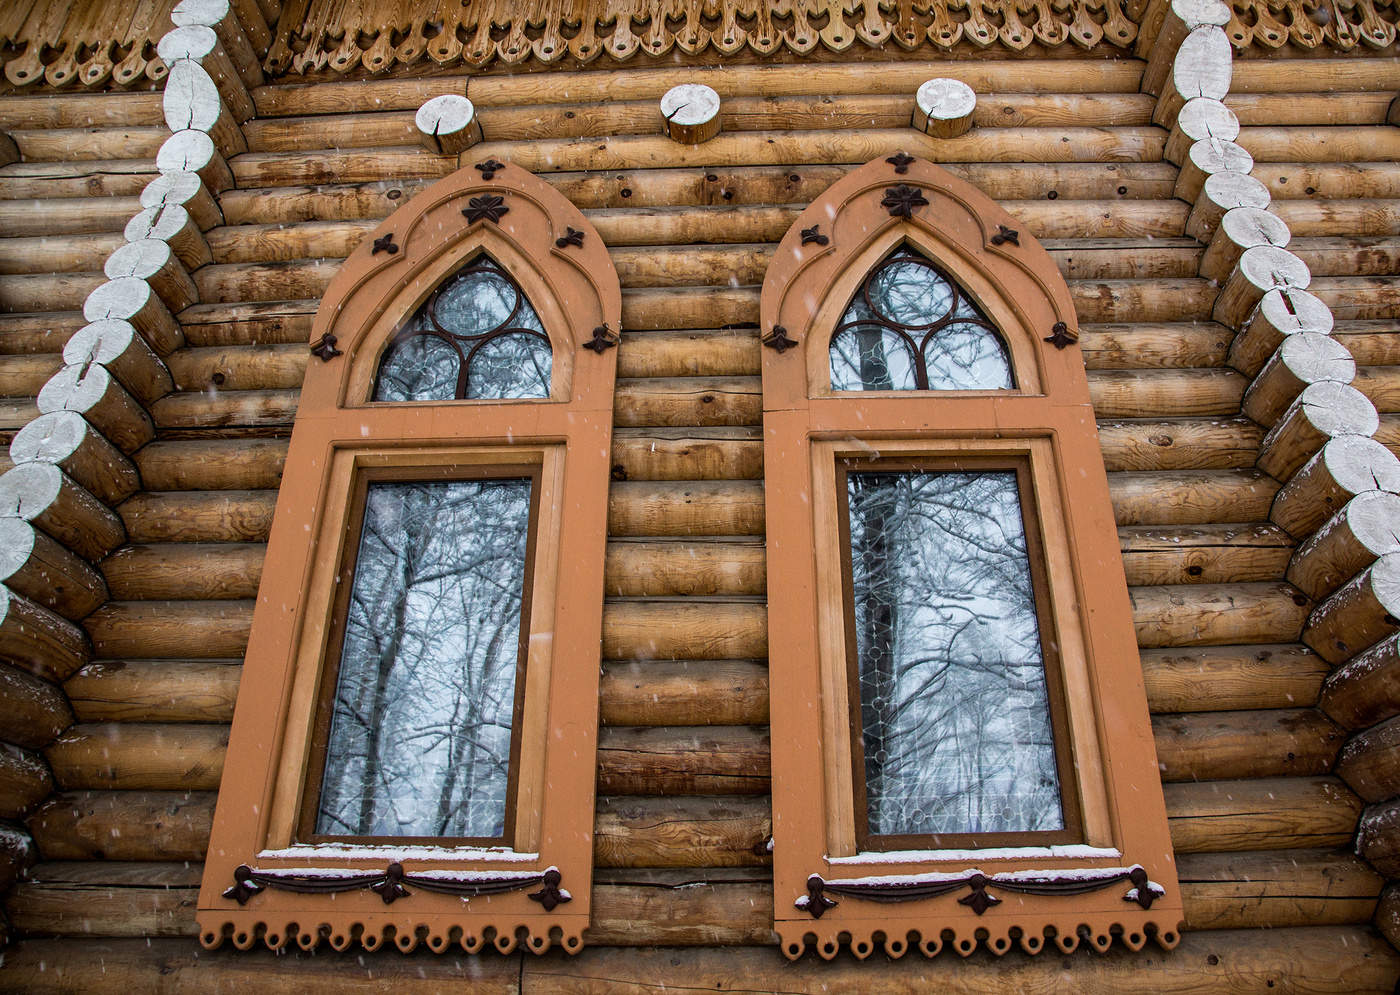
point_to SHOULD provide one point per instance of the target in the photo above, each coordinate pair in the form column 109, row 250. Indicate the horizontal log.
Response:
column 1358, row 297
column 200, row 516
column 189, row 570
column 124, row 825
column 1191, row 497
column 1321, row 75
column 1369, row 342
column 1323, row 959
column 139, row 756
column 684, row 692
column 212, row 464
column 47, row 291
column 66, row 216
column 1289, row 181
column 1218, row 614
column 1272, row 813
column 25, row 781
column 1352, row 217
column 1231, row 678
column 80, row 110
column 681, row 832
column 722, row 352
column 684, row 629
column 714, row 186
column 1381, row 386
column 69, row 144
column 1213, row 746
column 1165, row 393
column 47, row 254
column 1276, row 888
column 688, row 508
column 170, row 629
column 1208, row 554
column 1293, row 109
column 35, row 710
column 1370, row 762
column 1333, row 144
column 687, row 454
column 1153, row 346
column 686, row 401
column 234, row 409
column 95, row 178
column 154, row 691
column 258, row 367
column 25, row 376
column 1366, row 689
column 708, row 760
column 1185, row 444
column 680, row 567
column 59, row 898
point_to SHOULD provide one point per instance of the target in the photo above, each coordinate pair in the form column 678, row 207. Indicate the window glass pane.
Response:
column 420, row 733
column 911, row 327
column 475, row 337
column 954, row 708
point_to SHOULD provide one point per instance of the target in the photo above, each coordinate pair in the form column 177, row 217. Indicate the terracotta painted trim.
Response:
column 1047, row 423
column 340, row 434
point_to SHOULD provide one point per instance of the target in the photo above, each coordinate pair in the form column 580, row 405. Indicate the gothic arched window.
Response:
column 960, row 737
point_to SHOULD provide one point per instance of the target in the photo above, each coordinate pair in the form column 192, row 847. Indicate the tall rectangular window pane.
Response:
column 420, row 732
column 954, row 707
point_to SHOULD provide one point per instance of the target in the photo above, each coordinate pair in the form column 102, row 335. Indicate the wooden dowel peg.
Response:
column 448, row 124
column 690, row 113
column 943, row 108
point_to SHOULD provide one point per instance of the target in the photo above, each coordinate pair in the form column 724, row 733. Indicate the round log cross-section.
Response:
column 691, row 113
column 943, row 108
column 448, row 124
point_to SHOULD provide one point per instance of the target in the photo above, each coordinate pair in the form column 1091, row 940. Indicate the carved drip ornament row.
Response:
column 98, row 45
column 391, row 884
column 913, row 887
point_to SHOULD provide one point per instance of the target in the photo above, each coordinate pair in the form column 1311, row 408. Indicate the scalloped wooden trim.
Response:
column 405, row 932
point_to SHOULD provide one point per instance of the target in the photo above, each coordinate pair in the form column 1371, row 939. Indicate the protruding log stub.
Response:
column 184, row 189
column 117, row 346
column 1354, row 538
column 943, row 108
column 1366, row 689
column 1347, row 466
column 43, row 494
column 1205, row 158
column 35, row 566
column 192, row 101
column 219, row 15
column 200, row 44
column 1362, row 612
column 66, row 440
column 38, row 641
column 1281, row 313
column 1302, row 359
column 154, row 261
column 172, row 223
column 690, row 113
column 1392, row 113
column 1200, row 117
column 193, row 151
column 1260, row 269
column 1223, row 192
column 131, row 300
column 1323, row 411
column 1182, row 17
column 1240, row 229
column 9, row 151
column 1202, row 68
column 95, row 394
column 448, row 124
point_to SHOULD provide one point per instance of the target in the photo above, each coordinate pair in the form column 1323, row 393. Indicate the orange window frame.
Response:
column 263, row 881
column 1118, row 877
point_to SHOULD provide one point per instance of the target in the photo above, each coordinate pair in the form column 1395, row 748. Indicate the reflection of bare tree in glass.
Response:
column 954, row 706
column 475, row 337
column 911, row 327
column 420, row 735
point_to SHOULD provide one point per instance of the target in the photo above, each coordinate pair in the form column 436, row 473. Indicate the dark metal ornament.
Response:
column 901, row 200
column 571, row 236
column 490, row 168
column 550, row 895
column 979, row 901
column 603, row 338
column 489, row 206
column 384, row 243
column 325, row 348
column 1060, row 337
column 814, row 235
column 901, row 162
column 1005, row 234
column 817, row 903
column 778, row 339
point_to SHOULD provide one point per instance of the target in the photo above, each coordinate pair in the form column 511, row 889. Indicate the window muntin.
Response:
column 911, row 327
column 476, row 337
column 958, row 734
column 418, row 726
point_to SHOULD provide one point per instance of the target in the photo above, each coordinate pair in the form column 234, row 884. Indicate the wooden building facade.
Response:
column 208, row 208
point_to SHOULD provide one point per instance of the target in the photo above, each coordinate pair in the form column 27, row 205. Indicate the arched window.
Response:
column 398, row 767
column 960, row 737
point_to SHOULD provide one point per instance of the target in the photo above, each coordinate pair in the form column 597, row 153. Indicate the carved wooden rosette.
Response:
column 987, row 894
column 257, row 883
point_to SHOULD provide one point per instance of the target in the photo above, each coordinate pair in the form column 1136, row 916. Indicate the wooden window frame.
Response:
column 264, row 881
column 1119, row 877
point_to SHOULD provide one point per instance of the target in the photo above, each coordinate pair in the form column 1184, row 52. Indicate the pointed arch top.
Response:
column 861, row 219
column 540, row 239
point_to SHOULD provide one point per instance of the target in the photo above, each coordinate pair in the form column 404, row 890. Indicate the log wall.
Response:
column 1224, row 483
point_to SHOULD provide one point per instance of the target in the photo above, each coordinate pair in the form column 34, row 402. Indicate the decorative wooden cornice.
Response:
column 96, row 44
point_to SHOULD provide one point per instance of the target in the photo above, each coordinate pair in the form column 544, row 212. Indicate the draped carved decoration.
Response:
column 94, row 44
